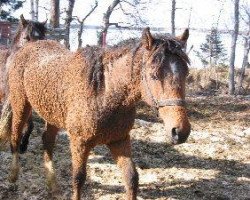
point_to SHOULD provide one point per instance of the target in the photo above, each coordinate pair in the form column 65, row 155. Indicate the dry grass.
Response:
column 211, row 81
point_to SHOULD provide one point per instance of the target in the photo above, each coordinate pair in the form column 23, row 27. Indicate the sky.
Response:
column 155, row 13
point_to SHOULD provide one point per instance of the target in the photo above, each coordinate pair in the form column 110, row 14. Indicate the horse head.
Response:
column 29, row 31
column 164, row 72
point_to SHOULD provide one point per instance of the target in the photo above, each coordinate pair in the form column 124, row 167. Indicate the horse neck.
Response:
column 122, row 76
column 15, row 41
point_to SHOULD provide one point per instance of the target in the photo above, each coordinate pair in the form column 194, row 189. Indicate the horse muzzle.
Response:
column 176, row 123
column 178, row 136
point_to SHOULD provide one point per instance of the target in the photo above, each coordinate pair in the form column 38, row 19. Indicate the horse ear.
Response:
column 184, row 37
column 23, row 21
column 147, row 39
column 44, row 22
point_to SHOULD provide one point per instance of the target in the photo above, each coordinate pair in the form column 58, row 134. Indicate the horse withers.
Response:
column 27, row 31
column 92, row 94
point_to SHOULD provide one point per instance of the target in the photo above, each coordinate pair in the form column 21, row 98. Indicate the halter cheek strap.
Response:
column 162, row 103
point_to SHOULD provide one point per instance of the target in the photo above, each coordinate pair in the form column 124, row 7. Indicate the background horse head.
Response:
column 28, row 31
column 164, row 72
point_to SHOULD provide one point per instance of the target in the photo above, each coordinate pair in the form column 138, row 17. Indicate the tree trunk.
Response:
column 36, row 9
column 173, row 17
column 67, row 22
column 106, row 23
column 55, row 13
column 244, row 63
column 80, row 34
column 81, row 22
column 32, row 10
column 233, row 47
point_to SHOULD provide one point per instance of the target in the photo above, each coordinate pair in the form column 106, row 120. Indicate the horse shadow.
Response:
column 230, row 180
column 226, row 184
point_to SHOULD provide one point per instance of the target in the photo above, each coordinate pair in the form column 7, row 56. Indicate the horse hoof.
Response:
column 24, row 144
column 12, row 178
column 53, row 187
column 13, row 175
column 23, row 148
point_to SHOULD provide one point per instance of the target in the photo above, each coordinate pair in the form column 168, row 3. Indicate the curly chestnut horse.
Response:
column 27, row 31
column 92, row 95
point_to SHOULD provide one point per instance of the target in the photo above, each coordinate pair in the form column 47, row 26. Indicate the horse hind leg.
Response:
column 121, row 152
column 26, row 136
column 80, row 152
column 49, row 138
column 20, row 117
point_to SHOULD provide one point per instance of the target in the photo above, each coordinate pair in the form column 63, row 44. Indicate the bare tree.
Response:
column 173, row 17
column 81, row 22
column 55, row 13
column 68, row 21
column 233, row 48
column 246, row 20
column 106, row 23
column 130, row 10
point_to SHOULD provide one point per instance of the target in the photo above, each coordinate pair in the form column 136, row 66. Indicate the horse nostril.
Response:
column 175, row 136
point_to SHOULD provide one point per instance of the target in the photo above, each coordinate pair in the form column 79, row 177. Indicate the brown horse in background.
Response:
column 27, row 31
column 92, row 95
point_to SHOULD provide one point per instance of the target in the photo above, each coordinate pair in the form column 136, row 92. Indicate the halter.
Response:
column 162, row 103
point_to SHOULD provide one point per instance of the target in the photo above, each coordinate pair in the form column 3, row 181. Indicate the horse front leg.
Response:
column 49, row 137
column 121, row 152
column 20, row 117
column 80, row 152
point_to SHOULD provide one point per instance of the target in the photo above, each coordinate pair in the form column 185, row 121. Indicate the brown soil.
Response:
column 213, row 164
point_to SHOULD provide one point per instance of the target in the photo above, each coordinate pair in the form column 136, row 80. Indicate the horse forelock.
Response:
column 168, row 48
column 172, row 46
column 37, row 26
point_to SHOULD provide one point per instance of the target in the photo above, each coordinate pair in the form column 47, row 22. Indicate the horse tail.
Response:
column 5, row 123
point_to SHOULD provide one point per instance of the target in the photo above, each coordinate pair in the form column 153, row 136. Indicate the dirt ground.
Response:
column 213, row 164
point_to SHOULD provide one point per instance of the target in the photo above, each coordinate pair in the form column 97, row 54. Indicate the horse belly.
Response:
column 116, row 126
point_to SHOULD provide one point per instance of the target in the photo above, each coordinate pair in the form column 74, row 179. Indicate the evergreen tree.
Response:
column 212, row 52
column 7, row 7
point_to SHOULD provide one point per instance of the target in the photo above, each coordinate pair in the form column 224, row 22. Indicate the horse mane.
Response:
column 40, row 26
column 94, row 57
column 97, row 56
column 173, row 46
